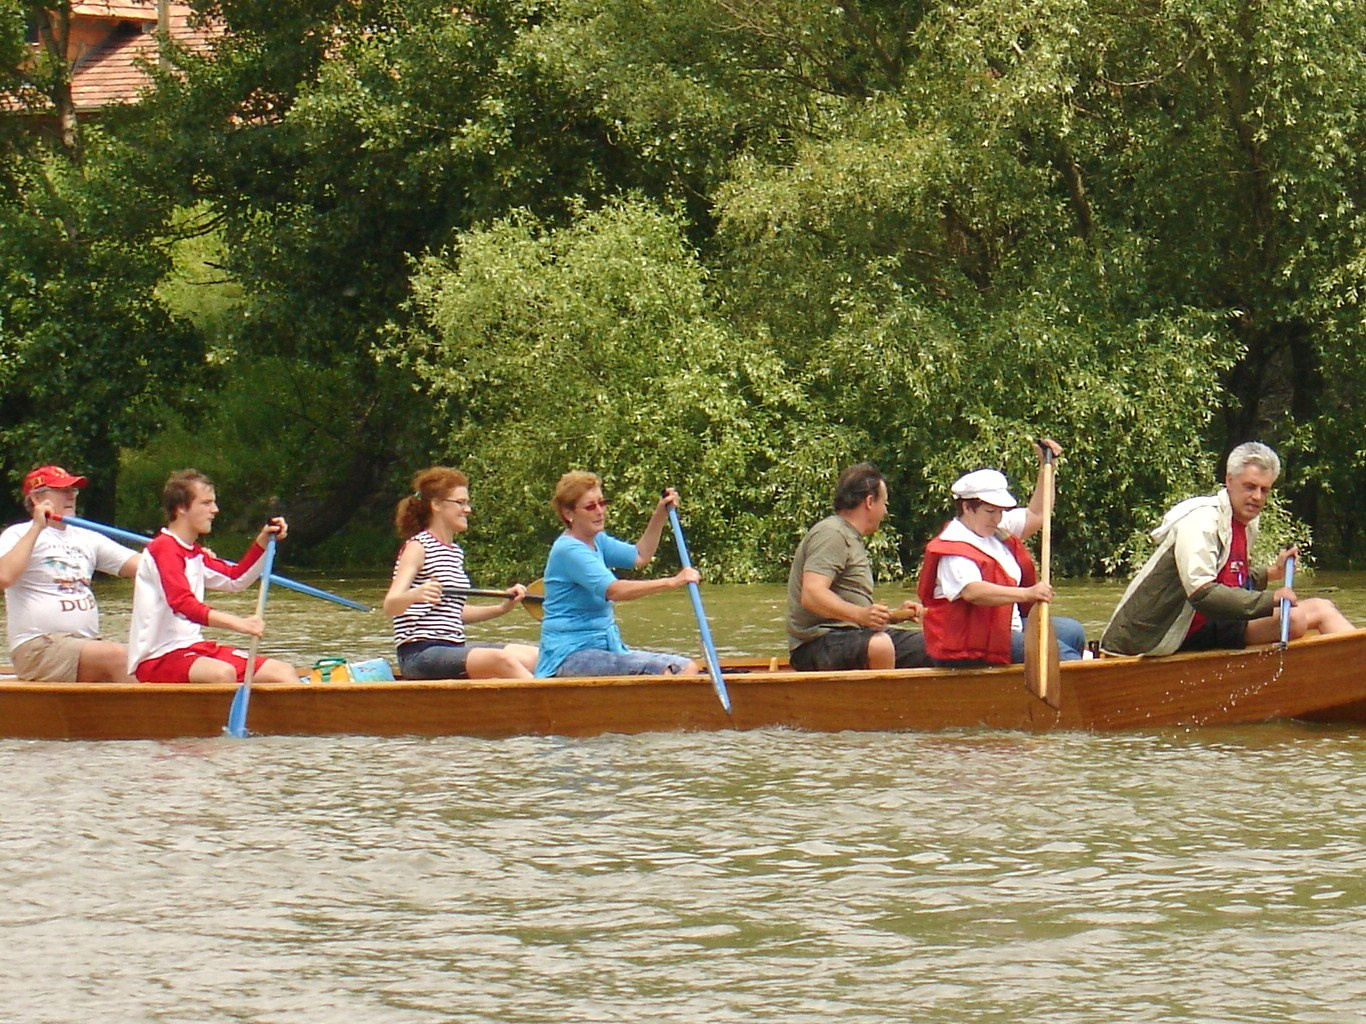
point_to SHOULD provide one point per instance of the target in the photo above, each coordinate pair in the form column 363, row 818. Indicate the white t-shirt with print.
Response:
column 53, row 593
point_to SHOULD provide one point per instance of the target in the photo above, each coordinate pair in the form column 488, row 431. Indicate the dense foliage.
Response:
column 86, row 348
column 733, row 245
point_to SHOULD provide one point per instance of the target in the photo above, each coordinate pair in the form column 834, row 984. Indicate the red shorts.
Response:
column 175, row 667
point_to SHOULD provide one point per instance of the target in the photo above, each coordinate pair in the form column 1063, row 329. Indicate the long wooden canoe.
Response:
column 1318, row 678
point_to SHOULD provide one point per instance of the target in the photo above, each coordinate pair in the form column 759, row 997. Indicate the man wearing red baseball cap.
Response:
column 45, row 570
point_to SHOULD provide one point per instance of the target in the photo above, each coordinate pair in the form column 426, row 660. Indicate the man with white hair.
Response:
column 1198, row 591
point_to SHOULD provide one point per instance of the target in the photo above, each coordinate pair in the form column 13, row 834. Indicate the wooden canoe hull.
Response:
column 1318, row 678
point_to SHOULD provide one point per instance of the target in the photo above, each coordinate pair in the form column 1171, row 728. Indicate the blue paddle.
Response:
column 237, row 714
column 713, row 665
column 280, row 581
column 1285, row 601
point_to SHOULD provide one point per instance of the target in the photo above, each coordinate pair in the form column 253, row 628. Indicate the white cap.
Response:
column 988, row 484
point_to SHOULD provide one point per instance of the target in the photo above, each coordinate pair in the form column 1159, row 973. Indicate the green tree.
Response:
column 921, row 233
column 332, row 144
column 1134, row 228
column 594, row 346
column 86, row 349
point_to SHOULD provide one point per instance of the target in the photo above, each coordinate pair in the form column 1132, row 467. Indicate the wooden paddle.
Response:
column 237, row 714
column 1041, row 641
column 1285, row 601
column 534, row 602
column 529, row 600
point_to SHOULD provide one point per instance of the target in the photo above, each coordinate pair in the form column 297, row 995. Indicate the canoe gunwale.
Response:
column 1314, row 678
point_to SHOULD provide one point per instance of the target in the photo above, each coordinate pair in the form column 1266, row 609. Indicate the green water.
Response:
column 1210, row 876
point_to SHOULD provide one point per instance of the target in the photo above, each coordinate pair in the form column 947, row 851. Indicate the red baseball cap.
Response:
column 51, row 476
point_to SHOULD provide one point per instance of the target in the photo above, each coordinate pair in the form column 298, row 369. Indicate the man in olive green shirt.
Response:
column 832, row 621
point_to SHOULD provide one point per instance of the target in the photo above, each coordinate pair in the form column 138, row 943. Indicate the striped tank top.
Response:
column 443, row 621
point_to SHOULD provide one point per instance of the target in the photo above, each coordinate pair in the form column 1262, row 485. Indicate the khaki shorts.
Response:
column 50, row 658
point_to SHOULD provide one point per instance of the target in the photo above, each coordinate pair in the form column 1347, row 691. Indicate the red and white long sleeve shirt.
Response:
column 168, row 594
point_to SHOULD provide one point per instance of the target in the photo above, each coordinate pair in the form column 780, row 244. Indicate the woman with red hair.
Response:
column 424, row 597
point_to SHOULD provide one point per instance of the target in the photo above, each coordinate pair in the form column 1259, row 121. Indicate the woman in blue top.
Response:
column 579, row 635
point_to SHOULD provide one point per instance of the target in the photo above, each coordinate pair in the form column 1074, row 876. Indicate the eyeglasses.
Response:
column 593, row 506
column 461, row 502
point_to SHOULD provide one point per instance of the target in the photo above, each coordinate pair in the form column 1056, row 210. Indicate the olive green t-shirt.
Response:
column 834, row 549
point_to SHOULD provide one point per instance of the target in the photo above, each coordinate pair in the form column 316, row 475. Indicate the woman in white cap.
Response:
column 977, row 574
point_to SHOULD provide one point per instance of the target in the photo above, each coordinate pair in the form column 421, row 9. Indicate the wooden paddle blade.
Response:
column 1034, row 674
column 536, row 609
column 1042, row 662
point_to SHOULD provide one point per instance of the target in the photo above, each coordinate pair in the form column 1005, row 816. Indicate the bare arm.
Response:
column 483, row 612
column 630, row 590
column 819, row 599
column 402, row 595
column 252, row 625
column 649, row 540
column 15, row 560
column 1034, row 513
column 993, row 595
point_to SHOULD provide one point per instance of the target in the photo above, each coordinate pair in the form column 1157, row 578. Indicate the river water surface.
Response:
column 1205, row 875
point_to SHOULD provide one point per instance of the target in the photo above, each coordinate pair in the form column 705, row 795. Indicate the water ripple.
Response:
column 730, row 877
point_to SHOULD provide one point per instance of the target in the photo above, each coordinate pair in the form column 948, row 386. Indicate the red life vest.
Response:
column 959, row 630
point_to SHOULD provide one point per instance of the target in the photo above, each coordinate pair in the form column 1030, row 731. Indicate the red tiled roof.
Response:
column 130, row 9
column 113, row 74
column 111, row 42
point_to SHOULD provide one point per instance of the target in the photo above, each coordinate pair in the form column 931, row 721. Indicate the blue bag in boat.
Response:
column 375, row 670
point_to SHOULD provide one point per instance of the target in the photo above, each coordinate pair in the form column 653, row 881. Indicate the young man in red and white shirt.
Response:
column 166, row 642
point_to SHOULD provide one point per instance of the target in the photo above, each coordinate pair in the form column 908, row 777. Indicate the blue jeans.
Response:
column 436, row 659
column 633, row 663
column 1071, row 640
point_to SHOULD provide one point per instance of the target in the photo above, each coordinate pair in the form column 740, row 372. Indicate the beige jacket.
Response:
column 1178, row 580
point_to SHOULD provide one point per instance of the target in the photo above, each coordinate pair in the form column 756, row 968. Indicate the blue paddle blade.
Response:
column 237, row 714
column 1285, row 601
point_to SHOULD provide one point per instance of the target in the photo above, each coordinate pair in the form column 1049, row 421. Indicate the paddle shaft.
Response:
column 1285, row 601
column 1046, row 539
column 708, row 648
column 1044, row 666
column 280, row 581
column 237, row 714
column 486, row 592
column 1046, row 533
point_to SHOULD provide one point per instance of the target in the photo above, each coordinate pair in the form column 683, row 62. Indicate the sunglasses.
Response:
column 593, row 506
